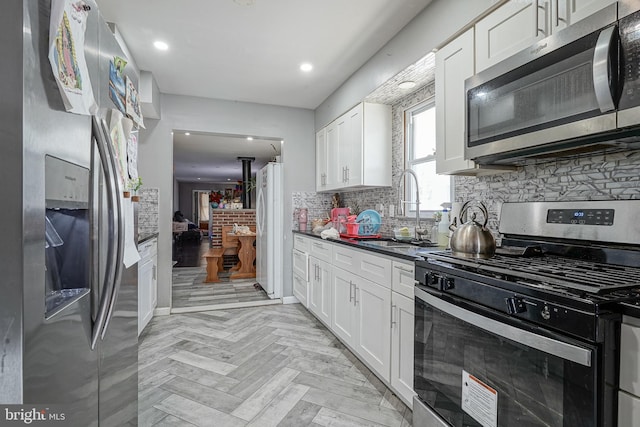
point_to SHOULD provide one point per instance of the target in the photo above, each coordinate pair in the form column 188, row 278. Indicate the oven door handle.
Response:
column 551, row 346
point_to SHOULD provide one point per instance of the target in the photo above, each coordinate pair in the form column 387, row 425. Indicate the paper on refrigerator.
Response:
column 66, row 55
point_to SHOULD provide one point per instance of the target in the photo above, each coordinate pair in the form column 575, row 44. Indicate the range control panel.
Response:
column 580, row 216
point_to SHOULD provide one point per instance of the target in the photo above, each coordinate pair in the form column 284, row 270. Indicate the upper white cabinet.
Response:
column 355, row 149
column 454, row 64
column 321, row 160
column 509, row 29
column 563, row 13
column 518, row 24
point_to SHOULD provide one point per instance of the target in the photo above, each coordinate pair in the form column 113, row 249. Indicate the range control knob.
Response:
column 446, row 283
column 545, row 313
column 515, row 305
column 432, row 279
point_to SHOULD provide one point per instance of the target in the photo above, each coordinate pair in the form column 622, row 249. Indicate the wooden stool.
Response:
column 214, row 264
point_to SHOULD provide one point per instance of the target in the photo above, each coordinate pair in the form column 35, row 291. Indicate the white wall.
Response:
column 440, row 20
column 295, row 126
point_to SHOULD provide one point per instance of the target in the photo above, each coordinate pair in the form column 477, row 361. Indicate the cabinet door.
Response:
column 320, row 292
column 512, row 27
column 402, row 318
column 145, row 283
column 454, row 64
column 354, row 146
column 333, row 179
column 373, row 303
column 568, row 12
column 628, row 410
column 300, row 264
column 321, row 160
column 301, row 289
column 344, row 318
column 343, row 149
column 403, row 278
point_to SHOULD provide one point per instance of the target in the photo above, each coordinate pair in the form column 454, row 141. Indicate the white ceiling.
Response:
column 250, row 51
column 211, row 158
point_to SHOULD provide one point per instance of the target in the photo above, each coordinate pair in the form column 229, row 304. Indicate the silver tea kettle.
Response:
column 472, row 239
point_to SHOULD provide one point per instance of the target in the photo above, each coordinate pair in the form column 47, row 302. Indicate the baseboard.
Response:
column 227, row 306
column 162, row 311
column 290, row 300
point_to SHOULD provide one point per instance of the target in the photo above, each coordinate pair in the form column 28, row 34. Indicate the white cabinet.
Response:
column 300, row 264
column 372, row 303
column 361, row 318
column 563, row 13
column 301, row 289
column 518, row 24
column 147, row 282
column 402, row 326
column 454, row 64
column 344, row 316
column 403, row 278
column 355, row 149
column 322, row 160
column 320, row 301
column 629, row 396
column 512, row 27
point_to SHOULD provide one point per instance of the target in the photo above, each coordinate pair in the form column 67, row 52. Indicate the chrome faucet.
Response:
column 418, row 231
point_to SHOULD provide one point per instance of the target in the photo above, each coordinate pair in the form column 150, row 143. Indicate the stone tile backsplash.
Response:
column 148, row 211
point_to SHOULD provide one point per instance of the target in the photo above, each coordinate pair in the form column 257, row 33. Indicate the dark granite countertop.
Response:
column 406, row 252
column 144, row 237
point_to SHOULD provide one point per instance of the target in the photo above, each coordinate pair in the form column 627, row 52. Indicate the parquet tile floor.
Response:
column 261, row 366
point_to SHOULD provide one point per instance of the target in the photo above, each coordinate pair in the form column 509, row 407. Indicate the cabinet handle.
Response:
column 537, row 20
column 558, row 19
column 393, row 311
column 350, row 291
column 347, row 168
column 154, row 273
column 355, row 293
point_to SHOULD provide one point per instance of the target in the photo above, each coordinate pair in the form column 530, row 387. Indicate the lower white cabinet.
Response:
column 320, row 289
column 374, row 332
column 147, row 282
column 629, row 396
column 361, row 317
column 301, row 289
column 402, row 326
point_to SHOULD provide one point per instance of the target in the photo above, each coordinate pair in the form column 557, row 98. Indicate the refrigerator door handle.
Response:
column 109, row 275
column 117, row 185
column 260, row 208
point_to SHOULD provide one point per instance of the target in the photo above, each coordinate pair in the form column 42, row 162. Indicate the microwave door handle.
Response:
column 548, row 345
column 109, row 274
column 120, row 230
column 601, row 67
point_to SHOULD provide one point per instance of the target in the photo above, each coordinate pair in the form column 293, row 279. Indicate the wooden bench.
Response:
column 214, row 264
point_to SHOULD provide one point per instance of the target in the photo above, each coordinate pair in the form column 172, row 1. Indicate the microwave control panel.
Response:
column 630, row 60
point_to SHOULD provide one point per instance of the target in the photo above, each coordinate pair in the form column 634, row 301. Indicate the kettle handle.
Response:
column 454, row 224
column 479, row 204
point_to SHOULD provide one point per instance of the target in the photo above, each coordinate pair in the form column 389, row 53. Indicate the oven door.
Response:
column 475, row 367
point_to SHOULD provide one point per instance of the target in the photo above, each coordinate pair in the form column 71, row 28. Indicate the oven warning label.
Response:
column 479, row 400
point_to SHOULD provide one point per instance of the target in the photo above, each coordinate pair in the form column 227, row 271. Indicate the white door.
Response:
column 344, row 317
column 402, row 326
column 262, row 230
column 373, row 303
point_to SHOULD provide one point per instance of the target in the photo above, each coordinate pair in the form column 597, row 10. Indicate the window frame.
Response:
column 409, row 161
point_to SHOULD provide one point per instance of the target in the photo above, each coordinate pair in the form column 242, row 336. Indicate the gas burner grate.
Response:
column 552, row 271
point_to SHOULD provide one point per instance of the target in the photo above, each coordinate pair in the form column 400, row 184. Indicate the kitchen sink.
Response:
column 388, row 243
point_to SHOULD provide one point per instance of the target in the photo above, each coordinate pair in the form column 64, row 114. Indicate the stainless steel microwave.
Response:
column 576, row 91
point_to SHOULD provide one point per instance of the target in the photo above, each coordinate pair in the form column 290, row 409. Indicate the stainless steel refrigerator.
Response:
column 68, row 306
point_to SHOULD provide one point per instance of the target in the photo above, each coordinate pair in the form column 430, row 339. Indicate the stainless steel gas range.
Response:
column 529, row 337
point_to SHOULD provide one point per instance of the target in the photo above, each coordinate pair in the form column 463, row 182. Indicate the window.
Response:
column 420, row 149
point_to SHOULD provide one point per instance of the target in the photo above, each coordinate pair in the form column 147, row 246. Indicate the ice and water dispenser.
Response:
column 67, row 234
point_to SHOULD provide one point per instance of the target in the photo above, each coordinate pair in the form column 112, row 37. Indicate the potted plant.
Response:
column 134, row 186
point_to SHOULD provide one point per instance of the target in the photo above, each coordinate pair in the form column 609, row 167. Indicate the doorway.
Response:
column 209, row 180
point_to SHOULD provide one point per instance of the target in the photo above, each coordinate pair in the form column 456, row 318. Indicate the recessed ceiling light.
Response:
column 249, row 138
column 306, row 67
column 187, row 133
column 198, row 179
column 228, row 179
column 407, row 85
column 160, row 45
